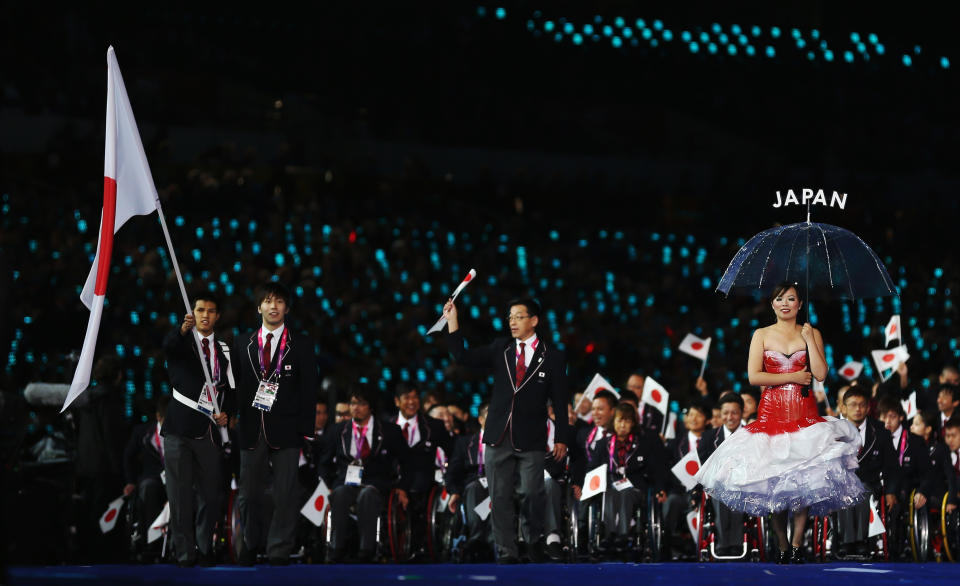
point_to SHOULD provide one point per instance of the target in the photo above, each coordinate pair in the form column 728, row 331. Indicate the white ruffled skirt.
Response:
column 814, row 467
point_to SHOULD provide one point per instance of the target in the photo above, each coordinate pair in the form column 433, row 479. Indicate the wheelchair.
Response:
column 755, row 535
column 880, row 545
column 393, row 536
column 950, row 531
column 138, row 549
column 646, row 538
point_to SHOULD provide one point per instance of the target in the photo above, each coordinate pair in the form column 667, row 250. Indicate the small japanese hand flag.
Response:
column 109, row 518
column 598, row 383
column 655, row 395
column 483, row 509
column 888, row 360
column 696, row 347
column 594, row 482
column 159, row 524
column 315, row 508
column 876, row 523
column 693, row 523
column 671, row 431
column 851, row 370
column 910, row 405
column 893, row 329
column 443, row 321
column 686, row 469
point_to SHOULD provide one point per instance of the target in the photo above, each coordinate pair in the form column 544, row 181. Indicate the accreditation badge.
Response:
column 266, row 395
column 205, row 402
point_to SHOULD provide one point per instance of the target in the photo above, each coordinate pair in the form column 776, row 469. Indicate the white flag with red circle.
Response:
column 893, row 329
column 910, row 405
column 696, row 347
column 655, row 395
column 851, row 370
column 443, row 321
column 315, row 509
column 686, row 469
column 128, row 191
column 483, row 509
column 159, row 524
column 693, row 523
column 594, row 482
column 876, row 523
column 109, row 517
column 598, row 383
column 888, row 360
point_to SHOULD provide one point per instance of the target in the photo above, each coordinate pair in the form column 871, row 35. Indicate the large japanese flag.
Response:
column 694, row 346
column 128, row 191
column 888, row 360
column 316, row 506
column 686, row 469
column 851, row 370
column 876, row 523
column 655, row 395
column 594, row 482
column 109, row 517
column 892, row 330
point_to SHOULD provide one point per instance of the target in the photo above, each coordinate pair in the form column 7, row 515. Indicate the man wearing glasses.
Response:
column 528, row 373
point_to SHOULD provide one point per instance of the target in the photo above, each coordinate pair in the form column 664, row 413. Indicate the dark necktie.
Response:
column 521, row 364
column 206, row 353
column 265, row 357
column 364, row 450
column 406, row 432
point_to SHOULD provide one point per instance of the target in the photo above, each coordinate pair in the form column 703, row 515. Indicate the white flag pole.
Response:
column 186, row 303
column 703, row 367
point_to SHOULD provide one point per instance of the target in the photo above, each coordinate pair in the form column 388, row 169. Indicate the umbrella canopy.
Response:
column 831, row 262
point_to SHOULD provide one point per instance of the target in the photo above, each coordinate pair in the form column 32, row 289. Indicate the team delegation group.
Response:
column 527, row 454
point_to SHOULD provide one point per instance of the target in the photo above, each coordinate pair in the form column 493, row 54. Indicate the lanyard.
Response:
column 533, row 347
column 283, row 345
column 214, row 363
column 156, row 436
column 613, row 446
column 903, row 444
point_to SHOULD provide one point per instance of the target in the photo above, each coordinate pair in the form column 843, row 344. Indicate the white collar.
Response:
column 401, row 420
column 863, row 426
column 529, row 341
column 276, row 333
column 208, row 338
column 896, row 434
column 727, row 432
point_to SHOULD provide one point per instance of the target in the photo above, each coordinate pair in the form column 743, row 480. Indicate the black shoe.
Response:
column 508, row 560
column 555, row 552
column 863, row 549
column 797, row 555
column 364, row 557
column 536, row 553
column 784, row 557
column 186, row 563
column 247, row 557
column 280, row 561
column 334, row 557
column 206, row 561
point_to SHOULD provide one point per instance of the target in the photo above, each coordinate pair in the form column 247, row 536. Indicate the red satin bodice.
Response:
column 782, row 408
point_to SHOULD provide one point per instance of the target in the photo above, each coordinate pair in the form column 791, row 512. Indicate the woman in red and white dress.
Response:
column 791, row 459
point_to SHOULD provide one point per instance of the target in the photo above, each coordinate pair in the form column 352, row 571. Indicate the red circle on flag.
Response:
column 656, row 396
column 889, row 357
column 893, row 329
column 848, row 372
column 696, row 521
column 697, row 345
column 443, row 493
column 111, row 514
column 871, row 514
column 692, row 467
column 595, row 483
column 318, row 503
column 468, row 277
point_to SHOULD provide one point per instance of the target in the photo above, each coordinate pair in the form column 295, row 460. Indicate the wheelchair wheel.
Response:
column 919, row 531
column 893, row 522
column 439, row 522
column 821, row 533
column 594, row 527
column 573, row 521
column 398, row 529
column 888, row 521
column 760, row 534
column 950, row 526
column 235, row 529
column 653, row 541
column 703, row 547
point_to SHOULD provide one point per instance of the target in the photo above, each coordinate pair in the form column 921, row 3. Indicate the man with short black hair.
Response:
column 528, row 372
column 191, row 438
column 276, row 387
column 948, row 399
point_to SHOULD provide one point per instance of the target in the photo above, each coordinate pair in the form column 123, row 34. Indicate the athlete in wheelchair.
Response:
column 368, row 511
column 722, row 533
column 625, row 521
column 949, row 465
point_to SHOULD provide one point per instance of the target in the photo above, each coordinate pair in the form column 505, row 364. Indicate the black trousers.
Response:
column 254, row 464
column 369, row 503
column 193, row 470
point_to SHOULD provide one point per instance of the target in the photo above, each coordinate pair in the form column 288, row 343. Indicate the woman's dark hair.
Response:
column 625, row 411
column 929, row 418
column 784, row 286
